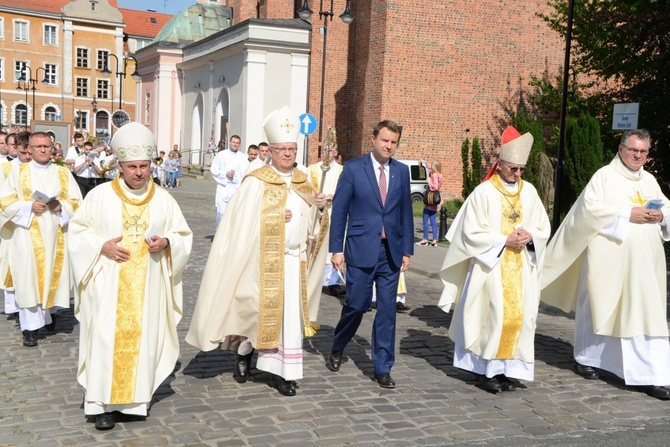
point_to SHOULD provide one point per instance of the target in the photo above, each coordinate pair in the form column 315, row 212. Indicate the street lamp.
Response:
column 121, row 74
column 29, row 84
column 347, row 17
column 94, row 103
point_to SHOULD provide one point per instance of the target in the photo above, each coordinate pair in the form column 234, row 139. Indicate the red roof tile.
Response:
column 143, row 23
column 51, row 6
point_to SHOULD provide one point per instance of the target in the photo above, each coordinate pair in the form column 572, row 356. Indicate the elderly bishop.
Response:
column 129, row 246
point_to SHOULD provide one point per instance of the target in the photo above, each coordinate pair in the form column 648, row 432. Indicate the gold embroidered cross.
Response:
column 287, row 126
column 638, row 199
column 139, row 227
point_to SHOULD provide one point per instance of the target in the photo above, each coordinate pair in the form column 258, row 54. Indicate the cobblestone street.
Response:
column 433, row 404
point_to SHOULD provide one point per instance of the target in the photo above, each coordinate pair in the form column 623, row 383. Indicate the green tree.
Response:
column 624, row 45
column 465, row 159
column 476, row 170
column 583, row 152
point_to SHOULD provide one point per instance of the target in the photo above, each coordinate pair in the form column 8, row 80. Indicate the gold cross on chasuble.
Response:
column 135, row 227
column 638, row 199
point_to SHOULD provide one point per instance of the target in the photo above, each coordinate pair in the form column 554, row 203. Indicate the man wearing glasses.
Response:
column 492, row 272
column 607, row 263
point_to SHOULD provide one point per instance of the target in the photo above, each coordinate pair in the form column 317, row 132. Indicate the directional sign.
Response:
column 307, row 124
column 625, row 116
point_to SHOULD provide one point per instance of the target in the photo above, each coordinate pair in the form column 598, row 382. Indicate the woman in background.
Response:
column 435, row 179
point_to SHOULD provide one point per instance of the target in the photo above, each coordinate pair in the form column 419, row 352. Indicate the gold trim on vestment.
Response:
column 511, row 271
column 130, row 301
column 272, row 251
column 36, row 236
column 4, row 203
column 7, row 168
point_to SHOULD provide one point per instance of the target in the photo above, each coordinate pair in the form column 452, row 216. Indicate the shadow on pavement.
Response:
column 210, row 364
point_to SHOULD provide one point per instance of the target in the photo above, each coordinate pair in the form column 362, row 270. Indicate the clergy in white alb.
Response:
column 10, row 308
column 607, row 263
column 253, row 293
column 37, row 201
column 225, row 172
column 491, row 272
column 128, row 295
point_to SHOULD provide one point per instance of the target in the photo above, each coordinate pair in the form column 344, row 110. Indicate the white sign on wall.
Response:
column 625, row 116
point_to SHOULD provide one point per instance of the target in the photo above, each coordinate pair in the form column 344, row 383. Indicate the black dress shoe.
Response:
column 12, row 316
column 490, row 383
column 242, row 367
column 51, row 326
column 29, row 338
column 586, row 372
column 401, row 308
column 505, row 383
column 285, row 387
column 334, row 360
column 105, row 421
column 335, row 290
column 373, row 305
column 384, row 380
column 659, row 392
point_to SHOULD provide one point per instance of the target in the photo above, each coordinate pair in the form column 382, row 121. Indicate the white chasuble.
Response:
column 128, row 311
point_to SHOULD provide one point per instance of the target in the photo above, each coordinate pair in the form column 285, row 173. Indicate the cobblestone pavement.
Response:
column 434, row 403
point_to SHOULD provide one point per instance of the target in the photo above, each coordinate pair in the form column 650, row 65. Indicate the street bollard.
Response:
column 443, row 223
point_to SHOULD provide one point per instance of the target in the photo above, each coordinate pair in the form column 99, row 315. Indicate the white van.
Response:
column 418, row 179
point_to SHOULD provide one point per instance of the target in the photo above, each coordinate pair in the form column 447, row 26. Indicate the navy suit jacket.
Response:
column 357, row 208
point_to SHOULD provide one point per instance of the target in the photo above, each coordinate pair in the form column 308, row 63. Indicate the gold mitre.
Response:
column 133, row 142
column 515, row 147
column 282, row 126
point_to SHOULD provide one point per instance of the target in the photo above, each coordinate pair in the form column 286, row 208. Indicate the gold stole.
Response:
column 511, row 271
column 130, row 302
column 36, row 235
column 271, row 281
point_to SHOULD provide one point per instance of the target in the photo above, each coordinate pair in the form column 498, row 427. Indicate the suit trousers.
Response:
column 359, row 291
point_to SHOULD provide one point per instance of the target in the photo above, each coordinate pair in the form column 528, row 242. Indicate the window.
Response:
column 94, row 6
column 50, row 35
column 21, row 115
column 50, row 113
column 82, row 87
column 2, row 69
column 81, row 120
column 20, row 31
column 103, row 89
column 2, row 28
column 50, row 74
column 103, row 56
column 20, row 69
column 82, row 57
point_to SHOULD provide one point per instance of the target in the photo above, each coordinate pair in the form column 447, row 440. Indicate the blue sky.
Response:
column 164, row 6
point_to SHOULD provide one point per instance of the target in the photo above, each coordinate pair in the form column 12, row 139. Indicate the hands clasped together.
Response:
column 518, row 239
column 642, row 215
column 117, row 253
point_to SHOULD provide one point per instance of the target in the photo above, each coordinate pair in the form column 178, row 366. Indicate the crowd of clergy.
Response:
column 94, row 225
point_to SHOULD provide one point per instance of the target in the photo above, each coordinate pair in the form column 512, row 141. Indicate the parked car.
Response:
column 418, row 178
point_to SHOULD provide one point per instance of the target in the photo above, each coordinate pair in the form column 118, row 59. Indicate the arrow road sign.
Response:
column 307, row 124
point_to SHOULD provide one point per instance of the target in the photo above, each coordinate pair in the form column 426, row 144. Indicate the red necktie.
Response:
column 382, row 192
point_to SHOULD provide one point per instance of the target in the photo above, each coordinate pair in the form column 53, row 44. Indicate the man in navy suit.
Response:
column 373, row 204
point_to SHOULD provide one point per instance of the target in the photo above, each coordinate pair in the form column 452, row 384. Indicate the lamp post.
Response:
column 347, row 17
column 121, row 74
column 29, row 84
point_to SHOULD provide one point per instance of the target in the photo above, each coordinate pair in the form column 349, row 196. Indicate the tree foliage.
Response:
column 583, row 151
column 624, row 45
column 525, row 122
column 472, row 165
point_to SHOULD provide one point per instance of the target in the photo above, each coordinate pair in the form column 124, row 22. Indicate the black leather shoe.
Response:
column 242, row 367
column 490, row 383
column 401, row 308
column 105, row 421
column 373, row 305
column 285, row 387
column 335, row 290
column 334, row 360
column 384, row 380
column 12, row 316
column 658, row 392
column 586, row 372
column 29, row 338
column 505, row 383
column 51, row 326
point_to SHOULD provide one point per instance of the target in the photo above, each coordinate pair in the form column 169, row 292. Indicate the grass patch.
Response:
column 452, row 207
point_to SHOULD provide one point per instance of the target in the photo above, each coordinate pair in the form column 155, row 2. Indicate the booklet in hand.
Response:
column 39, row 196
column 654, row 204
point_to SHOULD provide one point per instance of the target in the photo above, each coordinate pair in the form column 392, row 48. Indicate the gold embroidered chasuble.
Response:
column 132, row 278
column 511, row 271
column 272, row 251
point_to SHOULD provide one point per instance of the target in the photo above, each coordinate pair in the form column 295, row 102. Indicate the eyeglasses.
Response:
column 517, row 168
column 641, row 152
column 282, row 150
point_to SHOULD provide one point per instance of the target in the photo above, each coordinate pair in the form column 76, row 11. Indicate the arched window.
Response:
column 21, row 115
column 50, row 113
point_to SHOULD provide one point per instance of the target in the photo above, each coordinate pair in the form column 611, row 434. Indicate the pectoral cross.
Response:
column 139, row 227
column 513, row 216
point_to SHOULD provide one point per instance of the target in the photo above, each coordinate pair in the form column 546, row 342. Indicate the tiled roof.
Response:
column 51, row 6
column 143, row 23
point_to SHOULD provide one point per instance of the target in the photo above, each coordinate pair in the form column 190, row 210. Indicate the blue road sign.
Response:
column 307, row 123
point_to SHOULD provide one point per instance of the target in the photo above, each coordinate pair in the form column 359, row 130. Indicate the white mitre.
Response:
column 515, row 147
column 282, row 126
column 133, row 142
